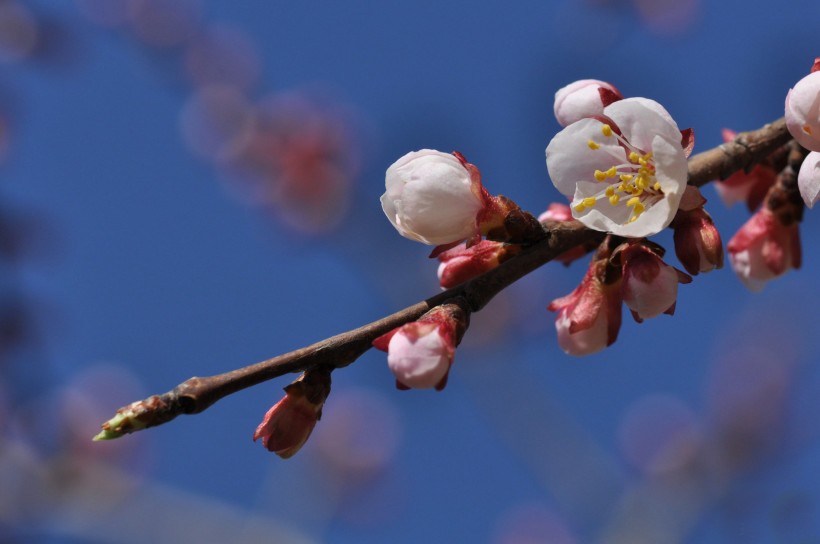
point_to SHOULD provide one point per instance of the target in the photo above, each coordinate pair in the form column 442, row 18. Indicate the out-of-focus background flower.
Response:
column 190, row 186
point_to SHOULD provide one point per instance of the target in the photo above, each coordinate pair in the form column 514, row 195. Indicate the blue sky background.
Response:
column 153, row 272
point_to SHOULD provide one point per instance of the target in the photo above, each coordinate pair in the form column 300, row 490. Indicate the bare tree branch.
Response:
column 196, row 394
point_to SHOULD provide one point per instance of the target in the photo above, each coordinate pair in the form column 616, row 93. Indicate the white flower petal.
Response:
column 803, row 111
column 570, row 159
column 808, row 179
column 641, row 119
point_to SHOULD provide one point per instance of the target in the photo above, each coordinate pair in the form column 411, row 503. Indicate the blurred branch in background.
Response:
column 291, row 153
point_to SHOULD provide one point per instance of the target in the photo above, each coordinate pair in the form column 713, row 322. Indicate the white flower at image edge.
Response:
column 803, row 111
column 431, row 198
column 808, row 179
column 626, row 175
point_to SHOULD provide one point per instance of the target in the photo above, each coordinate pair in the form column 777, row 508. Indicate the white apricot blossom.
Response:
column 432, row 197
column 803, row 111
column 625, row 170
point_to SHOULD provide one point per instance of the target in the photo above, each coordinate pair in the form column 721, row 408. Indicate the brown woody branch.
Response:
column 196, row 394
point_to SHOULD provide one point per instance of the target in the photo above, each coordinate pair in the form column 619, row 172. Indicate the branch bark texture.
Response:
column 198, row 393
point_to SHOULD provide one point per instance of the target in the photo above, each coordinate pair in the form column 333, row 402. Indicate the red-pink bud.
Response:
column 461, row 263
column 697, row 241
column 583, row 98
column 420, row 353
column 764, row 248
column 650, row 286
column 589, row 318
column 288, row 424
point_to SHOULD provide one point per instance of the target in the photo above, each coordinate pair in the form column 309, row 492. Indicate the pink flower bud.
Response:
column 556, row 212
column 764, row 248
column 589, row 318
column 583, row 98
column 462, row 263
column 808, row 179
column 697, row 241
column 749, row 187
column 803, row 111
column 420, row 353
column 433, row 197
column 650, row 286
column 288, row 424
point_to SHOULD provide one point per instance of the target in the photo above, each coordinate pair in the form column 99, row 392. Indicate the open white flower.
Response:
column 625, row 170
column 432, row 197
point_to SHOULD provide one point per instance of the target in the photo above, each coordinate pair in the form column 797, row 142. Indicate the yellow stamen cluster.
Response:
column 638, row 181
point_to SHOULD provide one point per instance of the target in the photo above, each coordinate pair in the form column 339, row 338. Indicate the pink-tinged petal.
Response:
column 586, row 342
column 431, row 197
column 419, row 360
column 753, row 231
column 420, row 353
column 650, row 286
column 808, row 179
column 589, row 318
column 803, row 111
column 764, row 248
column 584, row 98
column 751, row 269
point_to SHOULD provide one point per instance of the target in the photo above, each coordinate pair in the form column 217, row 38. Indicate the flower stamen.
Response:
column 636, row 177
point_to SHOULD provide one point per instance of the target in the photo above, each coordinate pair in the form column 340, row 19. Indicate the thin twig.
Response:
column 196, row 394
